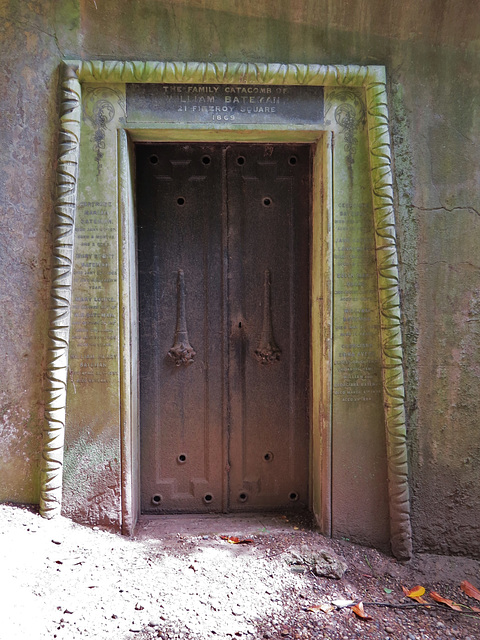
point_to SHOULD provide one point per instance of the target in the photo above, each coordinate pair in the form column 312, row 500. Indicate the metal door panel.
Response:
column 268, row 245
column 223, row 255
column 179, row 261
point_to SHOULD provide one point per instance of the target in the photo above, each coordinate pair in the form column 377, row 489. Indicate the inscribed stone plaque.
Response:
column 359, row 498
column 92, row 450
column 224, row 104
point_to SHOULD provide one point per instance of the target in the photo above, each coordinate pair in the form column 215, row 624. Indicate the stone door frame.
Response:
column 321, row 320
column 372, row 81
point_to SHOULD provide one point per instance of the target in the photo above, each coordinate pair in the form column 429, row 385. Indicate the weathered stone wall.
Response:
column 431, row 51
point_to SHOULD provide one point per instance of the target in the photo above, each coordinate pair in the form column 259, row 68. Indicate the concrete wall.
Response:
column 431, row 51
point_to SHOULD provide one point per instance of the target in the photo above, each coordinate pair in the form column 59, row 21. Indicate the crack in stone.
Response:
column 471, row 209
column 451, row 264
column 177, row 29
column 25, row 24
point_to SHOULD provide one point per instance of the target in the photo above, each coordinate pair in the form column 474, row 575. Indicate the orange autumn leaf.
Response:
column 360, row 611
column 476, row 609
column 415, row 594
column 235, row 540
column 438, row 598
column 470, row 590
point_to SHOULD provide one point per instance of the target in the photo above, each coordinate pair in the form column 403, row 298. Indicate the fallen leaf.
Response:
column 415, row 594
column 326, row 607
column 387, row 590
column 235, row 540
column 438, row 598
column 360, row 611
column 476, row 609
column 470, row 590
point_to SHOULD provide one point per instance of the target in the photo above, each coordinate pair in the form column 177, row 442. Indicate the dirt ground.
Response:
column 178, row 579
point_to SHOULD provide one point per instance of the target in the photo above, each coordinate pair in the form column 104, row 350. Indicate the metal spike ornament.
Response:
column 182, row 351
column 267, row 352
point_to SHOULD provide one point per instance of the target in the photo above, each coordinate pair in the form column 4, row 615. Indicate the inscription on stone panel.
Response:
column 93, row 358
column 357, row 376
column 224, row 104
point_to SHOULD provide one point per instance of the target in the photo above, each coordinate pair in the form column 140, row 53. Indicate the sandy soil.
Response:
column 181, row 580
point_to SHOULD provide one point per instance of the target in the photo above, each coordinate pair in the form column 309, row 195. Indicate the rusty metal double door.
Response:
column 223, row 264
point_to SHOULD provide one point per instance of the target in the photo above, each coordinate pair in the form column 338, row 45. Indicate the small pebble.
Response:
column 297, row 569
column 389, row 630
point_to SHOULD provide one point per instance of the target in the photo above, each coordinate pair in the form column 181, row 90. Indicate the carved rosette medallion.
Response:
column 99, row 106
column 350, row 114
